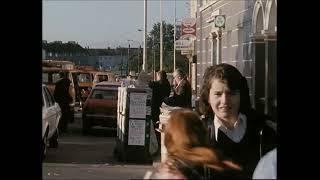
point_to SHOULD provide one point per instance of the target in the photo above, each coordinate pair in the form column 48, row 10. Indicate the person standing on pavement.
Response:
column 160, row 90
column 234, row 127
column 182, row 91
column 189, row 155
column 63, row 98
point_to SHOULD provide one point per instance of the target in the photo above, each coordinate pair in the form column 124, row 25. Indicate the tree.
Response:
column 153, row 44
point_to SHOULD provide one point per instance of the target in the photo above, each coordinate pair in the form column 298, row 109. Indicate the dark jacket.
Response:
column 160, row 90
column 61, row 92
column 182, row 95
column 247, row 152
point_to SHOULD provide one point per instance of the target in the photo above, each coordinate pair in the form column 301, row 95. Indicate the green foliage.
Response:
column 153, row 46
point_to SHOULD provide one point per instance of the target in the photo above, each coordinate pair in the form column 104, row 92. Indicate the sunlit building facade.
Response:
column 248, row 41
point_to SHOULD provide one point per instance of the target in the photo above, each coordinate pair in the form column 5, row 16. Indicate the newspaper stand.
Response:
column 133, row 125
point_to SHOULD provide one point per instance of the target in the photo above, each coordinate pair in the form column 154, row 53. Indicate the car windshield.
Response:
column 104, row 94
column 84, row 77
column 55, row 77
column 50, row 77
column 102, row 78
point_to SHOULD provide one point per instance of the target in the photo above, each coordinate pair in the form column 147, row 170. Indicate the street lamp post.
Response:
column 174, row 38
column 128, row 70
column 121, row 62
column 154, row 59
column 144, row 67
column 161, row 36
column 138, row 65
column 139, row 53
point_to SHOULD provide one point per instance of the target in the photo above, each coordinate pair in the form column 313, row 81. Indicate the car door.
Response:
column 44, row 112
column 50, row 113
column 56, row 108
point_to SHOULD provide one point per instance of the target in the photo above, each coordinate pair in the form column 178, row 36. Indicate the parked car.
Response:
column 108, row 84
column 100, row 107
column 85, row 81
column 100, row 77
column 51, row 114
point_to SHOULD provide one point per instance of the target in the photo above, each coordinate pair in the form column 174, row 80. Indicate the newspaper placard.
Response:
column 136, row 132
column 138, row 103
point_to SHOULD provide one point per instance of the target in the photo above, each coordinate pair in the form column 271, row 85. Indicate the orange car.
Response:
column 84, row 80
column 100, row 108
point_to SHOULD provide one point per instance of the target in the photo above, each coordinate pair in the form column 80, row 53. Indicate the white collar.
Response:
column 237, row 133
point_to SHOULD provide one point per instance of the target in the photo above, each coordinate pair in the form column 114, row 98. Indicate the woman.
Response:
column 188, row 153
column 233, row 125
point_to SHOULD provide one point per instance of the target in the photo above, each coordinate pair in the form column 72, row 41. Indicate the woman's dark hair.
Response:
column 234, row 80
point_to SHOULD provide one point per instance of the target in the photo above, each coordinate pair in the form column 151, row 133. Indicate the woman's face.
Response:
column 224, row 102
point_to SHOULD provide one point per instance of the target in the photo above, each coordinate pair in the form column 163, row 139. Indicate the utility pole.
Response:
column 154, row 60
column 139, row 53
column 174, row 38
column 144, row 66
column 128, row 70
column 138, row 58
column 161, row 36
column 121, row 62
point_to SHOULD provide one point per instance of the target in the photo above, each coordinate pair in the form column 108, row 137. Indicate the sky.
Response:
column 105, row 23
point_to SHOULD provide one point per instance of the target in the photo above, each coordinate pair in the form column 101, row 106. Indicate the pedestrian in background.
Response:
column 160, row 90
column 181, row 92
column 63, row 98
column 189, row 154
column 234, row 127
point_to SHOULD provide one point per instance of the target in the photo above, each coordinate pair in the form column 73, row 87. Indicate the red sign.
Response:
column 188, row 27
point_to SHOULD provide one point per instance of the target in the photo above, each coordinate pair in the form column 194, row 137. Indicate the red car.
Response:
column 100, row 107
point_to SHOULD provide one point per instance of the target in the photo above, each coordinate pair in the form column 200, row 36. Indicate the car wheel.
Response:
column 53, row 142
column 85, row 126
column 44, row 145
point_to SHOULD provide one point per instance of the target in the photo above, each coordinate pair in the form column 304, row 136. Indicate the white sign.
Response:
column 186, row 52
column 137, row 107
column 184, row 45
column 213, row 15
column 136, row 132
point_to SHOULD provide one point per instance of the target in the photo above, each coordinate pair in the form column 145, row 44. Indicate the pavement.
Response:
column 156, row 160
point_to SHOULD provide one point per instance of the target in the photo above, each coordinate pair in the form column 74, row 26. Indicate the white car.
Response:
column 51, row 114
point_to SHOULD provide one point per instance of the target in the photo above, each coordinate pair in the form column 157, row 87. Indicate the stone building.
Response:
column 248, row 41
